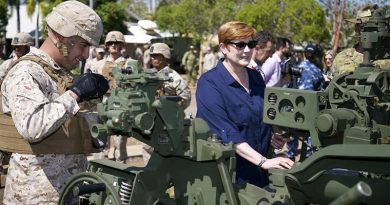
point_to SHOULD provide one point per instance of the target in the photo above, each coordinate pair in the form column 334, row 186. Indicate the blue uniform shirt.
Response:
column 311, row 78
column 235, row 115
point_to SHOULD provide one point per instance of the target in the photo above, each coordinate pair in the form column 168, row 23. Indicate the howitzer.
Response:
column 348, row 123
column 186, row 157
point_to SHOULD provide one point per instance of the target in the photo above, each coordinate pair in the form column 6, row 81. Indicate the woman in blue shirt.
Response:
column 230, row 99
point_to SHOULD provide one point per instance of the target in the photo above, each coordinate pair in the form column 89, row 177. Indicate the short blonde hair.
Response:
column 235, row 30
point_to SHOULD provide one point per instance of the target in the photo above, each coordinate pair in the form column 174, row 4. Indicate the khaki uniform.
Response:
column 176, row 87
column 348, row 59
column 31, row 96
column 4, row 68
column 190, row 65
column 117, row 143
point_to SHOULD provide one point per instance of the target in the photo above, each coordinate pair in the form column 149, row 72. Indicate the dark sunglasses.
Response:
column 241, row 45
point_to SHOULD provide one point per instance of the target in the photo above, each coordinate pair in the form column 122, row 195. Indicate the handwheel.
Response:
column 90, row 186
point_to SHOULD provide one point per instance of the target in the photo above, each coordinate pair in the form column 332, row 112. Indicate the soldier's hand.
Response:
column 89, row 85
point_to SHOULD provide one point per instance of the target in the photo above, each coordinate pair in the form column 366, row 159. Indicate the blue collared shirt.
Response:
column 235, row 115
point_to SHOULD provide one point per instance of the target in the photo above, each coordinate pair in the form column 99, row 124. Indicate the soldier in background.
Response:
column 100, row 52
column 190, row 63
column 348, row 59
column 21, row 43
column 160, row 54
column 210, row 60
column 39, row 95
column 116, row 147
column 146, row 57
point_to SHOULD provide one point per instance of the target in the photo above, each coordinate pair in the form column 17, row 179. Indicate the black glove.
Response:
column 89, row 86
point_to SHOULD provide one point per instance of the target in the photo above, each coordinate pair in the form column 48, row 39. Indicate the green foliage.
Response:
column 3, row 17
column 138, row 7
column 185, row 18
column 113, row 17
column 294, row 19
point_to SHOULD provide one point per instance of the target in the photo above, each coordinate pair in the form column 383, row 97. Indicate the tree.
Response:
column 294, row 19
column 188, row 18
column 113, row 17
column 16, row 4
column 3, row 17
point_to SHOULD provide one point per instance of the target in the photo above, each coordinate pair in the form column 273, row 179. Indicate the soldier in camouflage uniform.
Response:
column 39, row 95
column 116, row 147
column 160, row 54
column 21, row 43
column 348, row 59
column 190, row 63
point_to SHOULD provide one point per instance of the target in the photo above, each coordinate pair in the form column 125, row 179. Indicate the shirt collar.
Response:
column 44, row 56
column 228, row 79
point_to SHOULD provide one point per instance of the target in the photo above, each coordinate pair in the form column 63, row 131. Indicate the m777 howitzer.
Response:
column 349, row 124
column 351, row 166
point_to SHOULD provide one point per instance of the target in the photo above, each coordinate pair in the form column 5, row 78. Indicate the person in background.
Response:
column 210, row 60
column 116, row 147
column 100, row 52
column 263, row 49
column 146, row 62
column 327, row 68
column 160, row 54
column 310, row 79
column 230, row 99
column 271, row 69
column 39, row 95
column 190, row 63
column 350, row 58
column 21, row 43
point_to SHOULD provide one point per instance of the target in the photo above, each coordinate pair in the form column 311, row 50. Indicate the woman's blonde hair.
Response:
column 235, row 30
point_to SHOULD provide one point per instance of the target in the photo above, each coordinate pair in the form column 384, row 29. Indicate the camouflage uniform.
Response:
column 190, row 61
column 98, row 66
column 39, row 107
column 20, row 39
column 31, row 97
column 348, row 59
column 116, row 146
column 176, row 86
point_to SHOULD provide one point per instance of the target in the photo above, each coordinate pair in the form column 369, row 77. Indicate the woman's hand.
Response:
column 278, row 162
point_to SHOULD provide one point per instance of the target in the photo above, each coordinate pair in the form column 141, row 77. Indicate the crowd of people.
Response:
column 41, row 98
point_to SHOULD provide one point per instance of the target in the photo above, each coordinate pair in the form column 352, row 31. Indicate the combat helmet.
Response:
column 22, row 39
column 73, row 18
column 161, row 48
column 362, row 15
column 115, row 36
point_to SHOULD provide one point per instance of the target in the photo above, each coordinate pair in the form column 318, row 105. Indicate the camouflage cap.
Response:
column 115, row 36
column 22, row 39
column 73, row 18
column 362, row 15
column 161, row 48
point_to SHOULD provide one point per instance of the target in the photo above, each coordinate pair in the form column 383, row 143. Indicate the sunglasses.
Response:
column 241, row 45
